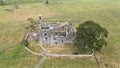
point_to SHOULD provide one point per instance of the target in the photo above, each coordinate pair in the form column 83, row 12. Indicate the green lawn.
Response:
column 12, row 31
column 16, row 2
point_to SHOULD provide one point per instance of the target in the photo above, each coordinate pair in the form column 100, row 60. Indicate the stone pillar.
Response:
column 39, row 29
column 40, row 20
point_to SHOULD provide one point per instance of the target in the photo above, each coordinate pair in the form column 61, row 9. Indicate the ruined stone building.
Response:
column 54, row 33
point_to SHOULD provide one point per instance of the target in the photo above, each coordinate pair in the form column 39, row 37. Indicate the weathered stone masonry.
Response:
column 53, row 33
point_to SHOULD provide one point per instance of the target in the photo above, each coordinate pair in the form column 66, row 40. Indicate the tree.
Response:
column 46, row 2
column 2, row 2
column 92, row 35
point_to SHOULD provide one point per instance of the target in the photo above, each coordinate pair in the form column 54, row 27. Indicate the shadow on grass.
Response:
column 81, row 50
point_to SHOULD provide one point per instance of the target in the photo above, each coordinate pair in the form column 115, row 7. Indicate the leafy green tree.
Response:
column 46, row 2
column 2, row 2
column 91, row 35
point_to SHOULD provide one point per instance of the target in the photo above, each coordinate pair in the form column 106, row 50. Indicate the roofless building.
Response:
column 53, row 33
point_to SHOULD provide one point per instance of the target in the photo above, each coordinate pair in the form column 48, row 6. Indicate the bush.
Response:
column 25, row 43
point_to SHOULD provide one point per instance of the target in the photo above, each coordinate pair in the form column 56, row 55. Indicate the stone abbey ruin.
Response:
column 53, row 33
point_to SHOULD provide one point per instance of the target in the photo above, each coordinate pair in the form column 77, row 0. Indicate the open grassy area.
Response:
column 16, row 2
column 13, row 20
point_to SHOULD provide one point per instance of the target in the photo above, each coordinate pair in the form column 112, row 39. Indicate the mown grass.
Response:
column 12, row 31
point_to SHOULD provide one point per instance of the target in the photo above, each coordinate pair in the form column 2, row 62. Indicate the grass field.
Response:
column 13, row 20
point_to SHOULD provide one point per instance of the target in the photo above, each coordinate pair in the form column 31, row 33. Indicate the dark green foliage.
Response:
column 2, row 2
column 25, row 42
column 46, row 2
column 91, row 35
